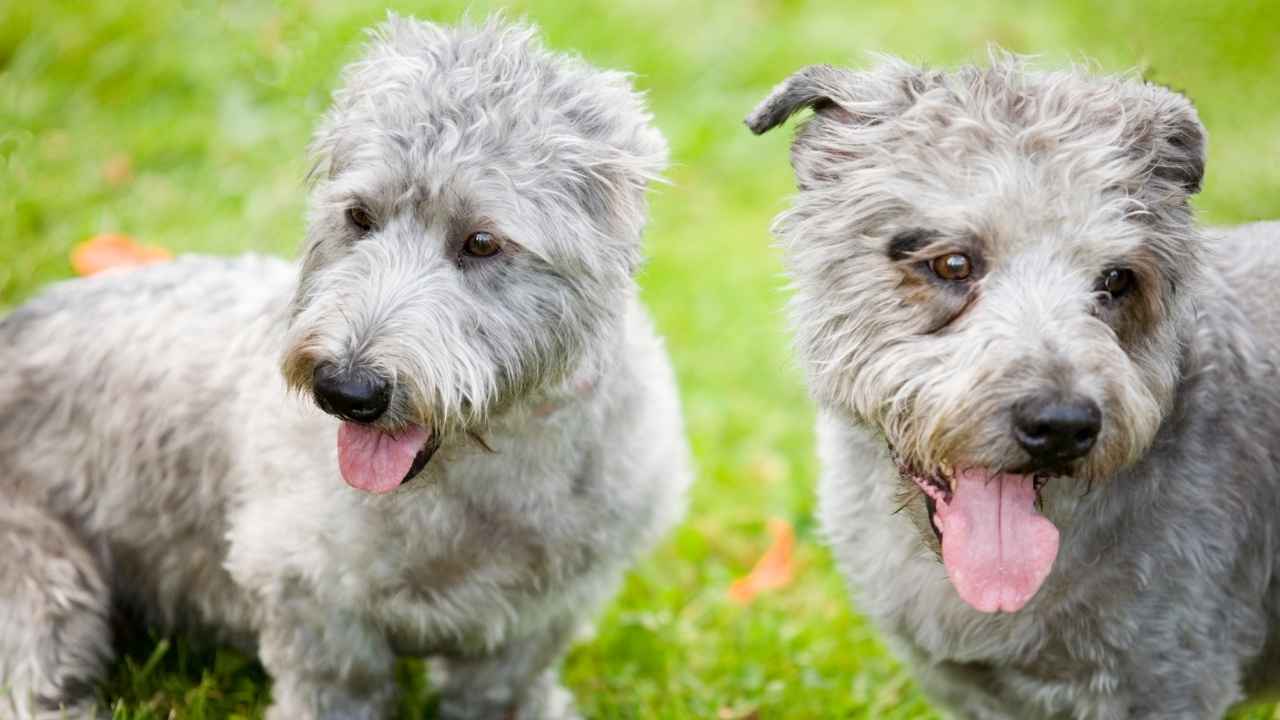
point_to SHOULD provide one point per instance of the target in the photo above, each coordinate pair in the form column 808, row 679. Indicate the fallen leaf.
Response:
column 117, row 170
column 108, row 251
column 775, row 569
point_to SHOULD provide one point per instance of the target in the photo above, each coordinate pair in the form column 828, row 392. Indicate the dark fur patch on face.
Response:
column 907, row 243
column 943, row 301
column 1141, row 309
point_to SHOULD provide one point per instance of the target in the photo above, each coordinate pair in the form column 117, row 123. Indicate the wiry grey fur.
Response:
column 152, row 456
column 1163, row 601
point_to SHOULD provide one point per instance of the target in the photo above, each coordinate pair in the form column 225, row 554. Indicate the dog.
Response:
column 446, row 433
column 1049, row 401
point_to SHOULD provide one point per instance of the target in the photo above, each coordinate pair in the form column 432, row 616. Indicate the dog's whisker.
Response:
column 479, row 440
column 905, row 503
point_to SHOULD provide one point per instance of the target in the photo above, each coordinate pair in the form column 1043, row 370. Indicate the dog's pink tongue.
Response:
column 997, row 549
column 375, row 461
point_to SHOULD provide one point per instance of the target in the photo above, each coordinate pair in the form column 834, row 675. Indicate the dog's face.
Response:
column 473, row 231
column 994, row 268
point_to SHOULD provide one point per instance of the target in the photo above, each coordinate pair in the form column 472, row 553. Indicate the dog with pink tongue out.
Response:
column 997, row 549
column 506, row 417
column 483, row 432
column 1048, row 400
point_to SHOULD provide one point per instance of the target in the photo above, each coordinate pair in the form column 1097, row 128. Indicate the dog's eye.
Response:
column 360, row 218
column 482, row 244
column 953, row 266
column 1116, row 282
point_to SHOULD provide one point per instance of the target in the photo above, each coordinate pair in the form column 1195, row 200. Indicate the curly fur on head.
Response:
column 440, row 131
column 1048, row 179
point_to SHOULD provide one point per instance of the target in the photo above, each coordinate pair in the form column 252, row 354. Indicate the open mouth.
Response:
column 936, row 489
column 422, row 458
column 996, row 546
column 377, row 461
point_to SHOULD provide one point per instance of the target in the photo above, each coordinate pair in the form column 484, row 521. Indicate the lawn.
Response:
column 185, row 125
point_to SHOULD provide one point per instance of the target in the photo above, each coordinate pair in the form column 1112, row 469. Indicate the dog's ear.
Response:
column 849, row 97
column 1166, row 135
column 1180, row 139
column 815, row 86
column 848, row 108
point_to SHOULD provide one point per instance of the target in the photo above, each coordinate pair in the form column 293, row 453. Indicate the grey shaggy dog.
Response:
column 1049, row 401
column 501, row 411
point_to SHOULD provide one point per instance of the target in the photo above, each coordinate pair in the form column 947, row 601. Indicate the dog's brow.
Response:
column 903, row 244
column 352, row 198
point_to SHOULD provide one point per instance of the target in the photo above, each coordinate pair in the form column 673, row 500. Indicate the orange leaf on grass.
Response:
column 108, row 251
column 117, row 170
column 775, row 569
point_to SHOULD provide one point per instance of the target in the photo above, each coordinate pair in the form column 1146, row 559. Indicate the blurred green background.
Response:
column 184, row 125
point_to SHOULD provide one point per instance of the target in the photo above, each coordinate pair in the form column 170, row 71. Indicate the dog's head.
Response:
column 474, row 227
column 994, row 268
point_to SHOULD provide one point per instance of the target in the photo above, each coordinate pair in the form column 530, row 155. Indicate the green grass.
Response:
column 184, row 125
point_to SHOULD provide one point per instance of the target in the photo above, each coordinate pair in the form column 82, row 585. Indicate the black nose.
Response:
column 1056, row 430
column 354, row 394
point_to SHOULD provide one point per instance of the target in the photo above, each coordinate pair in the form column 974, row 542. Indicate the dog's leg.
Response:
column 55, row 634
column 326, row 665
column 517, row 681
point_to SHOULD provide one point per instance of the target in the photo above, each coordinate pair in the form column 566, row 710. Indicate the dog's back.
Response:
column 1250, row 268
column 1249, row 258
column 112, row 401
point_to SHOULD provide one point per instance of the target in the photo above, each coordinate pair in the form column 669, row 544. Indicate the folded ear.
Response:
column 1178, row 152
column 1162, row 132
column 847, row 106
column 812, row 87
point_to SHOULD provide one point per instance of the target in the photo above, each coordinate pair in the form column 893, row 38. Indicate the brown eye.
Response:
column 1117, row 281
column 952, row 267
column 360, row 218
column 481, row 244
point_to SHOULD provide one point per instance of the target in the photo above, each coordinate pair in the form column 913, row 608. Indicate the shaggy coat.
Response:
column 965, row 243
column 475, row 223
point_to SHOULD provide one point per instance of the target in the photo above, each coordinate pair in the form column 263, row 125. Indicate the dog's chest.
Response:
column 466, row 560
column 482, row 544
column 478, row 577
column 904, row 588
column 472, row 574
column 898, row 581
